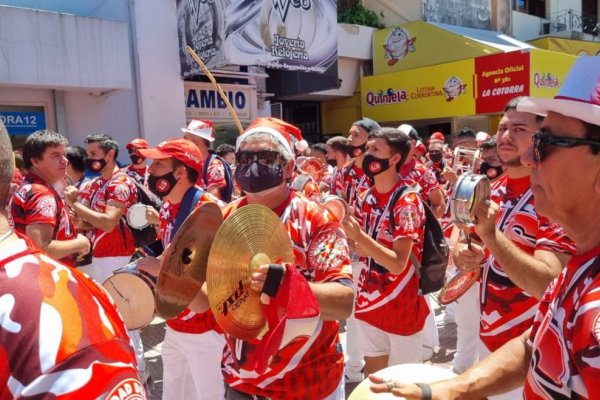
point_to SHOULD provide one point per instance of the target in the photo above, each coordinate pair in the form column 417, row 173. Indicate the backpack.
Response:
column 227, row 191
column 432, row 268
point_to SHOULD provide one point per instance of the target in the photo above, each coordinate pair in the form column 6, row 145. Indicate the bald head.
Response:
column 6, row 165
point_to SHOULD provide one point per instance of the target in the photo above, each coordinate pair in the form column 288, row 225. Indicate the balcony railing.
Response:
column 570, row 21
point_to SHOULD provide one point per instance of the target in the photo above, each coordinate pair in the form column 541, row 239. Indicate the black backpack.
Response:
column 432, row 268
column 227, row 191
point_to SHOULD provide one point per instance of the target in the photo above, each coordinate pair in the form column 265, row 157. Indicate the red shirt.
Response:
column 507, row 310
column 139, row 175
column 61, row 336
column 351, row 183
column 307, row 368
column 565, row 338
column 417, row 173
column 36, row 202
column 388, row 301
column 188, row 321
column 96, row 195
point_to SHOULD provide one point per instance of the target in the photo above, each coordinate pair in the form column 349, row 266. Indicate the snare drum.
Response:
column 409, row 373
column 469, row 190
column 133, row 293
column 336, row 205
column 136, row 216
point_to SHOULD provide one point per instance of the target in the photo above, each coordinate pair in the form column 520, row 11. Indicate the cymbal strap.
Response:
column 273, row 279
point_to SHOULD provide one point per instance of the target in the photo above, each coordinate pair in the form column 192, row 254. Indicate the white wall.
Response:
column 561, row 5
column 525, row 26
column 161, row 93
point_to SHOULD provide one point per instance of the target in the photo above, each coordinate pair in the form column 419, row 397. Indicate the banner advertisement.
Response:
column 500, row 78
column 23, row 122
column 568, row 46
column 547, row 72
column 293, row 35
column 203, row 101
column 430, row 92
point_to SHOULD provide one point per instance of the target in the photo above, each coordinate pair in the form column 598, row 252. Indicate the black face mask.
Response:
column 374, row 166
column 333, row 163
column 356, row 151
column 490, row 171
column 435, row 156
column 256, row 177
column 162, row 185
column 95, row 165
column 135, row 159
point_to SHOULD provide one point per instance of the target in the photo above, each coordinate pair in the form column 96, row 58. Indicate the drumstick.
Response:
column 214, row 82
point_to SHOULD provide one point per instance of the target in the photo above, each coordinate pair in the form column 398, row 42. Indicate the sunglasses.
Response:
column 265, row 157
column 542, row 139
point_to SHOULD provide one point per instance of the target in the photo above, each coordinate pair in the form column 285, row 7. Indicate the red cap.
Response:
column 137, row 144
column 182, row 150
column 437, row 136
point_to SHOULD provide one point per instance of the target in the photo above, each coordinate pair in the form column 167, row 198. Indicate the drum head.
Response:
column 133, row 294
column 337, row 206
column 458, row 285
column 410, row 373
column 136, row 216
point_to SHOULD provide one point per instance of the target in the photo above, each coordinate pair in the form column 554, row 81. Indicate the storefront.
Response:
column 462, row 93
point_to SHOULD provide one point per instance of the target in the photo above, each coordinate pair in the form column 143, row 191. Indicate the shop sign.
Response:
column 203, row 101
column 23, row 123
column 293, row 35
column 500, row 78
column 548, row 71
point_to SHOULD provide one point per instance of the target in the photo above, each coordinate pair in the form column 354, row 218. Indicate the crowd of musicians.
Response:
column 529, row 327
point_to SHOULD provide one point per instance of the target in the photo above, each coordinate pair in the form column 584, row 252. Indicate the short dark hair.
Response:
column 7, row 168
column 105, row 142
column 488, row 144
column 512, row 105
column 339, row 143
column 465, row 133
column 192, row 174
column 398, row 141
column 225, row 148
column 76, row 156
column 592, row 131
column 38, row 142
column 322, row 147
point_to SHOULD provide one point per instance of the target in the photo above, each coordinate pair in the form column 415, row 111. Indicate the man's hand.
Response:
column 70, row 195
column 467, row 259
column 486, row 214
column 152, row 216
column 150, row 265
column 351, row 227
column 86, row 244
column 408, row 391
column 449, row 175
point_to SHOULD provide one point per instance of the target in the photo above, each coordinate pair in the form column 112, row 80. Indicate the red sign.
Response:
column 500, row 78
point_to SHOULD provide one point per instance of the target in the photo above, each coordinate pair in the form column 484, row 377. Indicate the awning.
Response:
column 568, row 46
column 480, row 85
column 419, row 43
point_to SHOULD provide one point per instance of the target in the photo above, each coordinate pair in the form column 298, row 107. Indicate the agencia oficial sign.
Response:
column 295, row 35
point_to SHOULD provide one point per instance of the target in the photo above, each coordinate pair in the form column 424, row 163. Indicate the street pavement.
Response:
column 153, row 336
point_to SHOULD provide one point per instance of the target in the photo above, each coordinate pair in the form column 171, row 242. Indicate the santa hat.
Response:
column 288, row 135
column 203, row 129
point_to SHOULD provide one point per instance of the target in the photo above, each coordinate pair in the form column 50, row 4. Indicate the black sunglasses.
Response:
column 244, row 157
column 542, row 139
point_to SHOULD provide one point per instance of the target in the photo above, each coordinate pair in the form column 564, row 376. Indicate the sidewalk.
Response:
column 153, row 336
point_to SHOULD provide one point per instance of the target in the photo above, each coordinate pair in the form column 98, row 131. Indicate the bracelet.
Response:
column 426, row 391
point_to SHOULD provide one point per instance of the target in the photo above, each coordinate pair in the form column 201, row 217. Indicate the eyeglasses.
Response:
column 541, row 140
column 265, row 157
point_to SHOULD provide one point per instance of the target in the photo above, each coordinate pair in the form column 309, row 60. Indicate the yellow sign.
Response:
column 547, row 71
column 418, row 44
column 429, row 92
column 568, row 46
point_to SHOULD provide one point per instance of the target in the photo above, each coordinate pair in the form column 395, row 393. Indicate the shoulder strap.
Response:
column 190, row 199
column 345, row 172
column 395, row 198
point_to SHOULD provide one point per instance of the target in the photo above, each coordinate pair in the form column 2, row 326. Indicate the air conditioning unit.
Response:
column 277, row 110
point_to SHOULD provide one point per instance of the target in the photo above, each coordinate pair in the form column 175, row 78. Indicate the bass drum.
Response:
column 410, row 373
column 133, row 294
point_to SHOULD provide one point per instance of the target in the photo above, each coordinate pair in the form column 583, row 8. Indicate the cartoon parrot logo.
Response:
column 454, row 88
column 398, row 44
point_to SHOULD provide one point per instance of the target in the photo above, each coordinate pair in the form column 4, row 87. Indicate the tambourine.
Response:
column 336, row 205
column 458, row 286
column 136, row 216
column 469, row 190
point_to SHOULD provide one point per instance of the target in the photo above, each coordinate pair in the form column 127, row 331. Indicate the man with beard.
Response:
column 137, row 169
column 309, row 366
column 514, row 239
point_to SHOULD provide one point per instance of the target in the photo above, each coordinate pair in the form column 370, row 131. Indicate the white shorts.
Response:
column 374, row 342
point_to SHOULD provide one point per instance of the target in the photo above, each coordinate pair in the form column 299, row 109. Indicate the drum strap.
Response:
column 190, row 199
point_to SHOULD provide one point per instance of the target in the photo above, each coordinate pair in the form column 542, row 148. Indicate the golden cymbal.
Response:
column 183, row 263
column 251, row 236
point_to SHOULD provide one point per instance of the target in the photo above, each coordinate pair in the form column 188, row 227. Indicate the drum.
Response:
column 136, row 216
column 336, row 205
column 469, row 190
column 465, row 160
column 458, row 286
column 410, row 373
column 133, row 293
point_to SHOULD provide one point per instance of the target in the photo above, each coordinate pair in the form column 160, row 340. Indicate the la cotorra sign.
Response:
column 203, row 101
